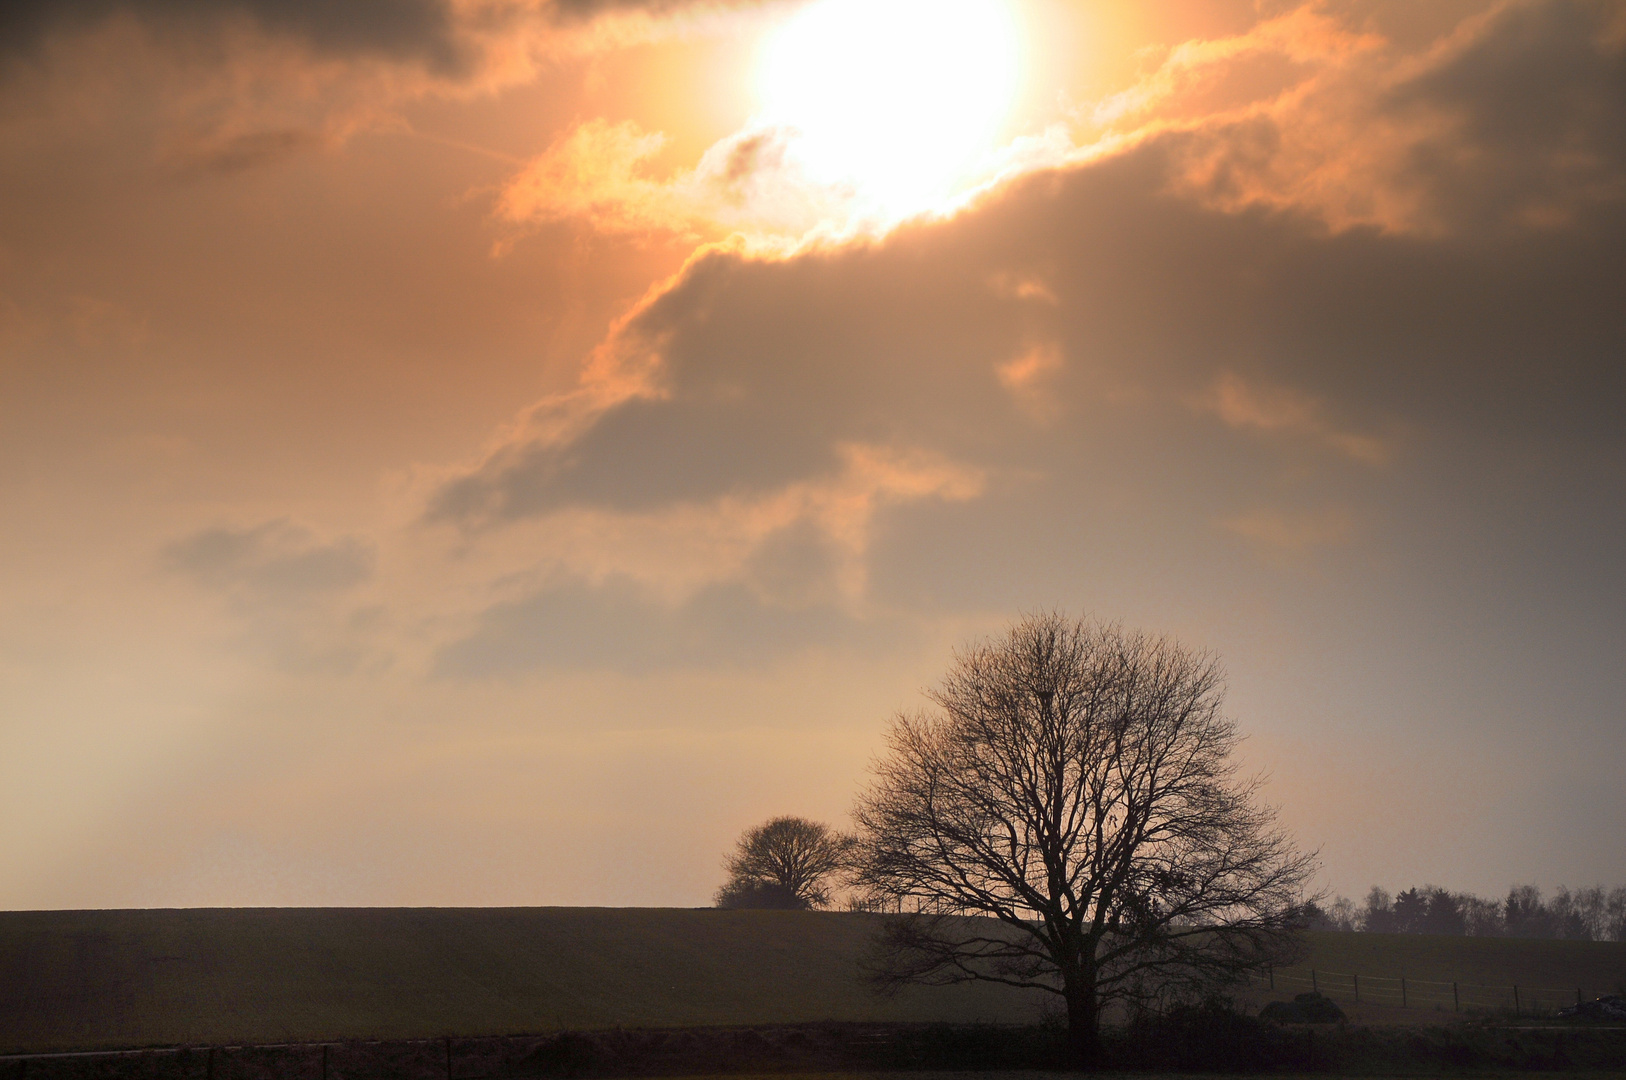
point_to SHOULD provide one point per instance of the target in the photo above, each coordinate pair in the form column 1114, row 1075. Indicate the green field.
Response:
column 104, row 979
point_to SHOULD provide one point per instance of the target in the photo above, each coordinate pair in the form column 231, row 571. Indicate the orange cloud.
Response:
column 1281, row 410
column 599, row 173
column 1304, row 113
column 593, row 173
column 1201, row 79
column 1029, row 379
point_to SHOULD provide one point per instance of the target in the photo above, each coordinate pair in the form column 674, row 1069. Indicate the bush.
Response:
column 1311, row 1008
column 1212, row 1036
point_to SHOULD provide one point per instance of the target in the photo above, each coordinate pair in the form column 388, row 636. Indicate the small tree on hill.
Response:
column 789, row 862
column 1075, row 788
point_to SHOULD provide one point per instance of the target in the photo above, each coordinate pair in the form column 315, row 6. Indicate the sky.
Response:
column 468, row 452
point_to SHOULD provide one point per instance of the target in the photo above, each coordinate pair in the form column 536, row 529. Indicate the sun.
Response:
column 899, row 99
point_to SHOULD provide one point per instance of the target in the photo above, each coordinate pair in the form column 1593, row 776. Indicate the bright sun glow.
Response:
column 899, row 98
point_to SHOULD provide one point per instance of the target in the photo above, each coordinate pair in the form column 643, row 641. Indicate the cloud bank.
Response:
column 1172, row 293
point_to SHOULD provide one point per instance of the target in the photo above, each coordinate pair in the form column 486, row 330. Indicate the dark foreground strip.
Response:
column 1207, row 1040
column 621, row 1052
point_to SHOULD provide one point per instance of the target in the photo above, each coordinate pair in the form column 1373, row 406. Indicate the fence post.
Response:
column 1456, row 1002
column 1357, row 978
column 1515, row 999
column 1314, row 986
column 1271, row 971
column 1403, row 992
column 1578, row 995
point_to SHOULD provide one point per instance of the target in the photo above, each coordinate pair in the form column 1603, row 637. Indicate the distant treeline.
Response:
column 1595, row 914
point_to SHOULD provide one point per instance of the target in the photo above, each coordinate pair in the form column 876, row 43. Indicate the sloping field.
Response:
column 91, row 979
column 104, row 979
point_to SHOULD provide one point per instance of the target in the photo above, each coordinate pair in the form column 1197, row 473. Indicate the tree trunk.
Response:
column 1083, row 1022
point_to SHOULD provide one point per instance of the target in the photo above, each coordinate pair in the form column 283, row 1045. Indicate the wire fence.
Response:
column 1408, row 993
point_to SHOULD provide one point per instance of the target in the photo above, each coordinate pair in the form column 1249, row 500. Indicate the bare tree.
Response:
column 1340, row 916
column 1483, row 918
column 1614, row 915
column 1069, row 820
column 789, row 862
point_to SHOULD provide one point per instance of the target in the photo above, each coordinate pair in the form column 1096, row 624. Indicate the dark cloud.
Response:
column 1538, row 124
column 770, row 366
column 426, row 32
column 418, row 30
column 276, row 560
column 619, row 626
column 225, row 155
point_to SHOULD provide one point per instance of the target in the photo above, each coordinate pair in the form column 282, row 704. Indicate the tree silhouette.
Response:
column 789, row 862
column 1075, row 789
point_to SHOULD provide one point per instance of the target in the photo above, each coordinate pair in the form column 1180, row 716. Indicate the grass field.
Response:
column 90, row 979
column 1548, row 973
column 103, row 979
column 1599, row 966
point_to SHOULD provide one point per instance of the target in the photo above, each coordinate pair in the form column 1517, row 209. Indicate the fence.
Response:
column 1408, row 993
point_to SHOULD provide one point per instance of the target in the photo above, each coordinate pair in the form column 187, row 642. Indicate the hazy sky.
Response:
column 495, row 451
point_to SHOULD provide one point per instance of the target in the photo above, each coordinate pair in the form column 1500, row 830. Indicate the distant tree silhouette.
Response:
column 1445, row 915
column 1378, row 917
column 1481, row 917
column 1593, row 914
column 1525, row 915
column 1342, row 914
column 1410, row 912
column 1612, row 914
column 759, row 894
column 788, row 863
column 1339, row 916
